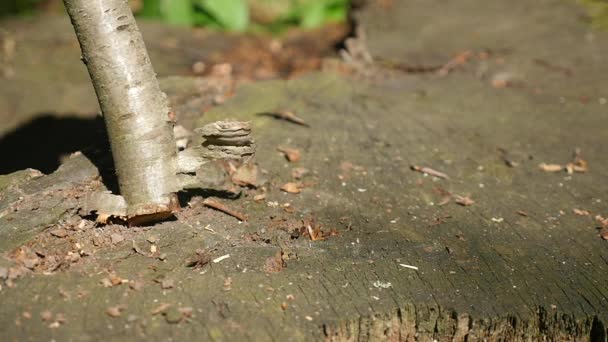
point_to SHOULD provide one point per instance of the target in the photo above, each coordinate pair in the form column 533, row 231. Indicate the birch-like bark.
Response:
column 135, row 110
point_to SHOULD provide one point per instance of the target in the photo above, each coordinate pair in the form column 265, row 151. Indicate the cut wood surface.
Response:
column 369, row 249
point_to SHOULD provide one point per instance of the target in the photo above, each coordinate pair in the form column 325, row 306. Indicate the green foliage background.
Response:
column 231, row 15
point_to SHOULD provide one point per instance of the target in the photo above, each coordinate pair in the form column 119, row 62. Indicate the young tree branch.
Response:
column 134, row 108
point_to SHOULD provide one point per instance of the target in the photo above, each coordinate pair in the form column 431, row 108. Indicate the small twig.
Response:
column 211, row 203
column 409, row 266
column 223, row 257
column 286, row 115
column 429, row 171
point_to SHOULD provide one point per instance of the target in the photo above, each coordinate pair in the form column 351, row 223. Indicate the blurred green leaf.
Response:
column 313, row 14
column 230, row 14
column 178, row 12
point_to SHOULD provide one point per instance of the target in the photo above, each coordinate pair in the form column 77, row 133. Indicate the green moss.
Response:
column 598, row 12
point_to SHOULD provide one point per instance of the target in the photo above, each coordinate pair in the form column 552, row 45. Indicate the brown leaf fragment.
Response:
column 604, row 234
column 581, row 212
column 463, row 200
column 116, row 280
column 550, row 167
column 292, row 188
column 286, row 115
column 429, row 171
column 115, row 311
column 291, row 154
column 211, row 203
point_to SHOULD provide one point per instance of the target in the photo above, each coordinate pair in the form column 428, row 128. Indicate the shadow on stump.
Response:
column 43, row 142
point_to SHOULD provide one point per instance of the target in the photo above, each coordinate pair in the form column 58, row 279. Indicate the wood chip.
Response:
column 429, row 171
column 115, row 311
column 550, row 167
column 291, row 154
column 292, row 188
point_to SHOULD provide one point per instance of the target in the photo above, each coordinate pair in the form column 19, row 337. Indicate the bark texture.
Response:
column 135, row 110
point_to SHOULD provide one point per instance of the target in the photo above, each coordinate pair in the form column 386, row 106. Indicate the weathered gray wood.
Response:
column 484, row 271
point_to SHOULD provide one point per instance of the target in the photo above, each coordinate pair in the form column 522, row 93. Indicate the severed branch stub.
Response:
column 227, row 140
column 221, row 140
